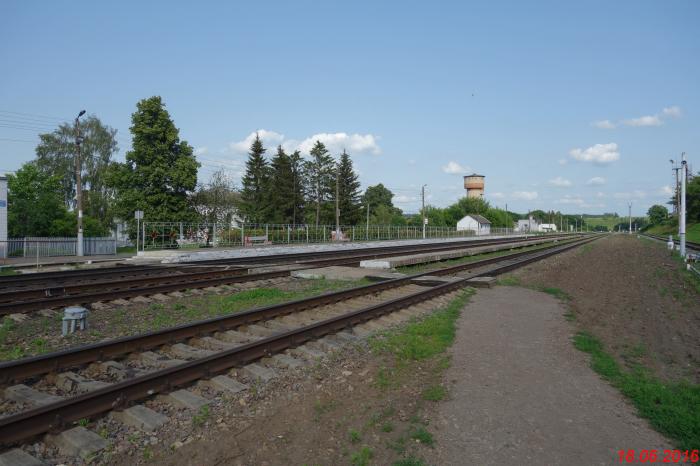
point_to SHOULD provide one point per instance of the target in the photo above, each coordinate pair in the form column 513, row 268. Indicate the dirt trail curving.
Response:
column 522, row 394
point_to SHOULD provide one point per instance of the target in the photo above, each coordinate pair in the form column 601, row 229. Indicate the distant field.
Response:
column 692, row 231
column 609, row 222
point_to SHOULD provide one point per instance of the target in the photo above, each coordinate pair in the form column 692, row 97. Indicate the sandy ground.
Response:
column 522, row 394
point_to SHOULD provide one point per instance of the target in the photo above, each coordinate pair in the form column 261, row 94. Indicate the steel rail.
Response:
column 273, row 258
column 689, row 244
column 72, row 295
column 22, row 369
column 55, row 416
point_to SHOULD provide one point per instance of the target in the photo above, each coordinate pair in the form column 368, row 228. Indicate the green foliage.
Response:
column 218, row 200
column 349, row 192
column 427, row 337
column 692, row 200
column 355, row 436
column 299, row 184
column 434, row 393
column 361, row 457
column 256, row 183
column 410, row 461
column 381, row 207
column 159, row 172
column 55, row 156
column 320, row 171
column 672, row 408
column 657, row 214
column 423, row 436
column 281, row 192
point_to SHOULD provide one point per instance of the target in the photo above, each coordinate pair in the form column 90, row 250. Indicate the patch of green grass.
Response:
column 556, row 292
column 7, row 271
column 672, row 408
column 509, row 280
column 423, row 436
column 387, row 427
column 424, row 338
column 83, row 422
column 126, row 250
column 434, row 393
column 323, row 408
column 355, row 436
column 410, row 461
column 570, row 316
column 361, row 457
column 201, row 417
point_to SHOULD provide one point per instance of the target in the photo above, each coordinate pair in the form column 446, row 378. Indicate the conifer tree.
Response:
column 321, row 182
column 349, row 191
column 255, row 192
column 281, row 193
column 299, row 187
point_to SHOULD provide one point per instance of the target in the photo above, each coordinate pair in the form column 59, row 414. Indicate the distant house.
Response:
column 547, row 227
column 527, row 225
column 476, row 223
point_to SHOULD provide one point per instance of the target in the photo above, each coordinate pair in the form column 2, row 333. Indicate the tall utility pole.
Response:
column 630, row 218
column 78, row 186
column 368, row 221
column 422, row 195
column 507, row 218
column 681, row 213
column 337, row 208
column 676, row 188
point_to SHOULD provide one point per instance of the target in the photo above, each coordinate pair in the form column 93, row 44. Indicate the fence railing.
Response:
column 53, row 247
column 160, row 235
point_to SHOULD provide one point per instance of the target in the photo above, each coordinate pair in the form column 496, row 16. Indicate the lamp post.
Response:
column 681, row 213
column 79, row 185
column 422, row 191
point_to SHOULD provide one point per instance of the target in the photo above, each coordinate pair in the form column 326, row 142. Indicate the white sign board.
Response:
column 138, row 215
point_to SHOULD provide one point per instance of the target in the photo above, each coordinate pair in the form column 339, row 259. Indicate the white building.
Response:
column 547, row 227
column 476, row 223
column 527, row 225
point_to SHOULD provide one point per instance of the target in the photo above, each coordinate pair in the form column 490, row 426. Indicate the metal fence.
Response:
column 159, row 235
column 53, row 247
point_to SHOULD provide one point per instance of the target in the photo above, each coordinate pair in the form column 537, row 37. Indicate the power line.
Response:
column 36, row 116
column 16, row 140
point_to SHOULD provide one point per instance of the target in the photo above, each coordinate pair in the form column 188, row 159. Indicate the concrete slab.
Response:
column 17, row 457
column 158, row 360
column 184, row 351
column 307, row 352
column 482, row 282
column 140, row 417
column 233, row 336
column 286, row 361
column 278, row 327
column 141, row 300
column 160, row 297
column 258, row 330
column 433, row 280
column 23, row 394
column 258, row 372
column 120, row 302
column 70, row 381
column 343, row 273
column 185, row 399
column 213, row 343
column 78, row 441
column 225, row 384
column 325, row 344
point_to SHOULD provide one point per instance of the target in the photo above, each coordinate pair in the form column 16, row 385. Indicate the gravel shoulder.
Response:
column 522, row 394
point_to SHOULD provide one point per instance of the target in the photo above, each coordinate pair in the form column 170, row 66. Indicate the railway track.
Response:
column 88, row 381
column 689, row 244
column 24, row 300
column 51, row 279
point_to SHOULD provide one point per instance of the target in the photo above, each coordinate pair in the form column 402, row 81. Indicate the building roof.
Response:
column 479, row 218
column 474, row 174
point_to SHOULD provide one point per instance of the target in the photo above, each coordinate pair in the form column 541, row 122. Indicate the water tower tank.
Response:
column 474, row 184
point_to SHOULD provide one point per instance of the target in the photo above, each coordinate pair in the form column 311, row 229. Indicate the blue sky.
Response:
column 564, row 106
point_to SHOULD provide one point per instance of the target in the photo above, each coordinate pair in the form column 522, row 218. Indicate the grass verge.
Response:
column 672, row 408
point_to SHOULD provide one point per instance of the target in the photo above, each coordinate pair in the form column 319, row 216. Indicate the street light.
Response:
column 79, row 185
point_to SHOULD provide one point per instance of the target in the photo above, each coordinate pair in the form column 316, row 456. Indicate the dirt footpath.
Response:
column 520, row 393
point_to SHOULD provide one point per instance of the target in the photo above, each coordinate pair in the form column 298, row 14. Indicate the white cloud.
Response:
column 600, row 194
column 560, row 182
column 673, row 112
column 572, row 200
column 666, row 191
column 596, row 181
column 403, row 199
column 599, row 153
column 269, row 139
column 334, row 142
column 648, row 120
column 604, row 124
column 200, row 151
column 497, row 196
column 524, row 195
column 453, row 168
column 563, row 161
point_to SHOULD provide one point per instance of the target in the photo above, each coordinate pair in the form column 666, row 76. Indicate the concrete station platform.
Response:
column 390, row 263
column 192, row 255
column 337, row 272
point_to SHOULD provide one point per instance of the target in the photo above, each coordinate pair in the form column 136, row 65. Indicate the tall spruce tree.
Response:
column 299, row 184
column 256, row 183
column 321, row 182
column 159, row 172
column 349, row 191
column 281, row 193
